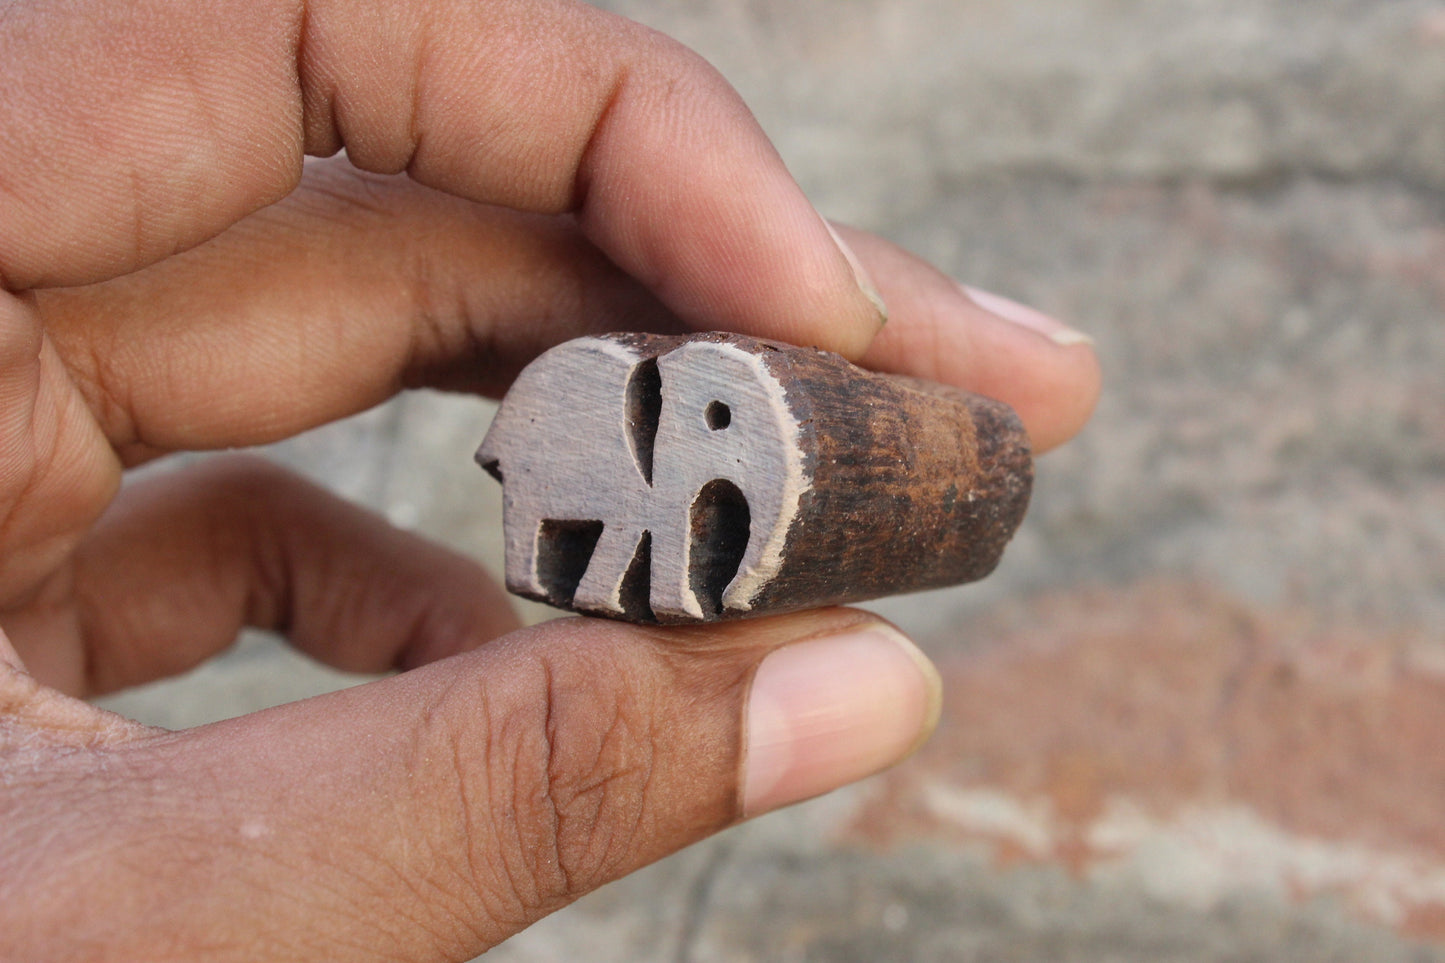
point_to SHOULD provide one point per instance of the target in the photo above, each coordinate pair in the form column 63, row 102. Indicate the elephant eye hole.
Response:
column 718, row 416
column 720, row 521
column 563, row 550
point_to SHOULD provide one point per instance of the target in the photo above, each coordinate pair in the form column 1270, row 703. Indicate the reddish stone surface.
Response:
column 1259, row 748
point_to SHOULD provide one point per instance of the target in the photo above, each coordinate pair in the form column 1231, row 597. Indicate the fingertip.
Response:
column 765, row 265
column 873, row 321
column 1081, row 381
column 685, row 192
column 1031, row 318
column 827, row 298
column 941, row 330
column 826, row 712
column 1061, row 387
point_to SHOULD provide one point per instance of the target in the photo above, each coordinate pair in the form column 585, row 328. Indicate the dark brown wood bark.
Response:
column 915, row 485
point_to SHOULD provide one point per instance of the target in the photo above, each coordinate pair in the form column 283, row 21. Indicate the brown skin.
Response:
column 175, row 278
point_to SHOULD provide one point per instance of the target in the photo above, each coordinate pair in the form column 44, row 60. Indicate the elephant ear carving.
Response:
column 714, row 476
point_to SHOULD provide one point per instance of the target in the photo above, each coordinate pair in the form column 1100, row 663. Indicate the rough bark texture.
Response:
column 915, row 485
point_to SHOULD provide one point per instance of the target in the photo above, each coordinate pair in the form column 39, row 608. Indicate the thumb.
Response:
column 431, row 815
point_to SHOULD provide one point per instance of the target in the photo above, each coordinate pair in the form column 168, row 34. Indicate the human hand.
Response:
column 175, row 279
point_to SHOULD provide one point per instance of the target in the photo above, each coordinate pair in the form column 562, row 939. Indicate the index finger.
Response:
column 136, row 130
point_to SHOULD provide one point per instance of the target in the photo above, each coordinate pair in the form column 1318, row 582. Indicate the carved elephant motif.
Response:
column 688, row 479
column 645, row 484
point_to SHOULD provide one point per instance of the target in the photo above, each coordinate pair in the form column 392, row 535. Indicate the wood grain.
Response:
column 690, row 479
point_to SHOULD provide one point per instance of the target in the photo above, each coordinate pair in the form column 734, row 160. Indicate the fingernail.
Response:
column 860, row 275
column 826, row 712
column 1021, row 314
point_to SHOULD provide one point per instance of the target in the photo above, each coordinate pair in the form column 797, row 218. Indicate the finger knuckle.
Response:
column 562, row 800
column 581, row 778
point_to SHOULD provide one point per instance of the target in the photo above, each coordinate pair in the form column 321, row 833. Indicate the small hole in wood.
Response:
column 718, row 415
column 564, row 548
column 720, row 521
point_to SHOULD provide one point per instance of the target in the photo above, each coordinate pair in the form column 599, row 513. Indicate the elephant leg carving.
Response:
column 611, row 581
column 564, row 549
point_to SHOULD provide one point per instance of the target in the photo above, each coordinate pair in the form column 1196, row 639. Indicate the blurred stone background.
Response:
column 1199, row 712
